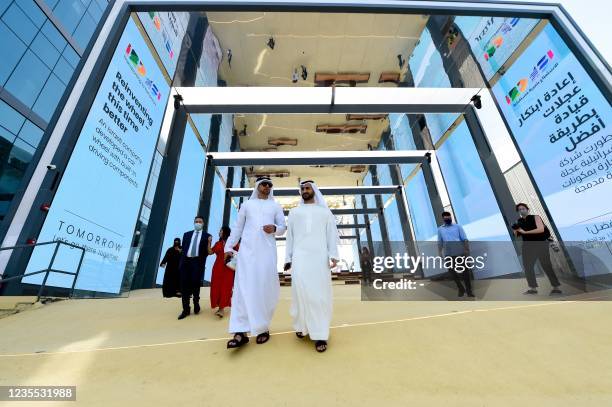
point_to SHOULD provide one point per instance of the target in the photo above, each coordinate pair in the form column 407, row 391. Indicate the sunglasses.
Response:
column 266, row 184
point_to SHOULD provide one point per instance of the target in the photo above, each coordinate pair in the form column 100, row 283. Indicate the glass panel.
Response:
column 186, row 193
column 28, row 79
column 71, row 56
column 32, row 11
column 421, row 212
column 214, row 222
column 84, row 31
column 43, row 48
column 12, row 50
column 63, row 70
column 54, row 35
column 49, row 98
column 31, row 133
column 10, row 118
column 69, row 12
column 20, row 24
column 474, row 203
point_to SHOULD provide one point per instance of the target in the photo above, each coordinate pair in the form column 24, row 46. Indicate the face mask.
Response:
column 198, row 226
column 448, row 221
column 523, row 212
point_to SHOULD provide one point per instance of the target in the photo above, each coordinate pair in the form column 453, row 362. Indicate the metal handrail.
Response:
column 49, row 269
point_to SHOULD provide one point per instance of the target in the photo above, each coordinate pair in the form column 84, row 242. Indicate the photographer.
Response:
column 535, row 237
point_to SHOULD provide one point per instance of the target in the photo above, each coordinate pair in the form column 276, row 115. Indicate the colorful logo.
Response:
column 134, row 59
column 498, row 40
column 132, row 56
column 522, row 84
column 156, row 20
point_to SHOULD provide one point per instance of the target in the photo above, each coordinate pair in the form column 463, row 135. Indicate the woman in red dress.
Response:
column 222, row 280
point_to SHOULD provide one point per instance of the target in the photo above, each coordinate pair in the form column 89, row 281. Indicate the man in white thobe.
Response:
column 256, row 283
column 312, row 242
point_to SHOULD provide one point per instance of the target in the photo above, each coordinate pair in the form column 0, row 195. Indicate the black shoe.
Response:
column 461, row 292
column 531, row 291
column 470, row 294
column 555, row 290
column 184, row 314
column 196, row 309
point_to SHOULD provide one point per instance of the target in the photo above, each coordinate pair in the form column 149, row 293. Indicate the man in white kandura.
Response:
column 312, row 242
column 256, row 283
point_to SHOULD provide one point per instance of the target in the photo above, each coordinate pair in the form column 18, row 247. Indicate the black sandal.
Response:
column 321, row 346
column 262, row 338
column 239, row 340
column 299, row 335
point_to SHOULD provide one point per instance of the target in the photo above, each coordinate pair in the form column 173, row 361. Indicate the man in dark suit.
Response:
column 193, row 260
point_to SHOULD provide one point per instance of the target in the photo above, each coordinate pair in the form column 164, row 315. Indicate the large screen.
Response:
column 561, row 123
column 100, row 194
column 166, row 31
column 494, row 39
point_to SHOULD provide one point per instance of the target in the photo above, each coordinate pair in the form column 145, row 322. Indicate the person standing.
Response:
column 312, row 243
column 535, row 237
column 453, row 243
column 365, row 262
column 222, row 279
column 256, row 283
column 193, row 261
column 170, row 263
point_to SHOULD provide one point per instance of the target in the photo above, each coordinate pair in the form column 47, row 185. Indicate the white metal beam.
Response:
column 350, row 190
column 278, row 99
column 222, row 159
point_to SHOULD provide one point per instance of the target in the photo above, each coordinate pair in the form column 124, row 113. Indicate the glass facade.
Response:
column 44, row 40
column 39, row 59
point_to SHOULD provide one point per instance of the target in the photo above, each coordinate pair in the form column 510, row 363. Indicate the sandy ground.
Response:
column 133, row 351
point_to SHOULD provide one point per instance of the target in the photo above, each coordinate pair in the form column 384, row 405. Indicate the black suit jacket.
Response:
column 202, row 250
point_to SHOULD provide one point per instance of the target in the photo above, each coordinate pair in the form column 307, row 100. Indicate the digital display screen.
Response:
column 561, row 123
column 100, row 194
column 166, row 31
column 494, row 39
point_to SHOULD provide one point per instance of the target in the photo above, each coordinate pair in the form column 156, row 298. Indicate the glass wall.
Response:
column 186, row 192
column 39, row 57
column 473, row 201
column 421, row 213
column 428, row 72
column 403, row 138
column 217, row 202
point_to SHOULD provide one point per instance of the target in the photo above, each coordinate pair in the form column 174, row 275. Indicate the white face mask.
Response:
column 198, row 226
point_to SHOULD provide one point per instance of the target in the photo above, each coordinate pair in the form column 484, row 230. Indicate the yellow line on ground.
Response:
column 359, row 324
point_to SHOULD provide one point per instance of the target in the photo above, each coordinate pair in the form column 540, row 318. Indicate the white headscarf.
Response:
column 318, row 196
column 259, row 180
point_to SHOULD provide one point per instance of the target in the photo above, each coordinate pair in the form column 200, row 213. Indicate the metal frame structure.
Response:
column 24, row 220
column 352, row 190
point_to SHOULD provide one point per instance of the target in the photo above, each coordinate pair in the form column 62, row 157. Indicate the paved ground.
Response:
column 133, row 351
